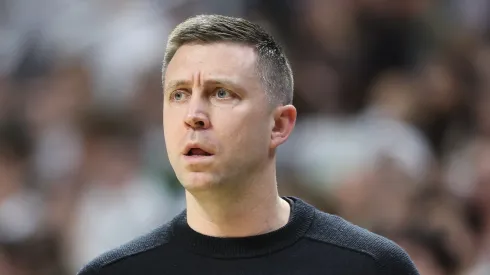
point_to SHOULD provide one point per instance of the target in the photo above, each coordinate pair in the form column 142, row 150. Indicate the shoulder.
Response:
column 154, row 239
column 389, row 257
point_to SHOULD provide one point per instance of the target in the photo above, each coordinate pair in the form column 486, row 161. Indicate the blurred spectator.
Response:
column 438, row 210
column 19, row 206
column 329, row 151
column 444, row 94
column 52, row 110
column 428, row 251
column 480, row 199
column 118, row 201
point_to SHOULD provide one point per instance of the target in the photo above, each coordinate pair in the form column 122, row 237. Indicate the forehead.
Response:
column 223, row 60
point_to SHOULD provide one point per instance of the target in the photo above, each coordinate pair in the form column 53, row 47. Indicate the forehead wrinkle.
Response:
column 233, row 67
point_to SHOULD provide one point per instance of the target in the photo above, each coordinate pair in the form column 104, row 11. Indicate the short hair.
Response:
column 273, row 67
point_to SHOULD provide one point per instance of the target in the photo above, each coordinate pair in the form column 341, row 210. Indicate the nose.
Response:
column 197, row 121
column 197, row 117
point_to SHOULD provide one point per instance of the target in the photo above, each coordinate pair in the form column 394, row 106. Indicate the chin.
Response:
column 198, row 181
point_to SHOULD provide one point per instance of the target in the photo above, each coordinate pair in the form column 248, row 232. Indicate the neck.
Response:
column 253, row 209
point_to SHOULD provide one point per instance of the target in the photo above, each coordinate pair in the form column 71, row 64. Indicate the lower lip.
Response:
column 197, row 159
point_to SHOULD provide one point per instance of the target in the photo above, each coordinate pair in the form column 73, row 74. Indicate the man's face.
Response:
column 214, row 102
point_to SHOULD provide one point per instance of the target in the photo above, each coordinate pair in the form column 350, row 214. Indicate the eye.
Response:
column 178, row 95
column 222, row 93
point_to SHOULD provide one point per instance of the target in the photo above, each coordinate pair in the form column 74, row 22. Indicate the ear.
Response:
column 283, row 124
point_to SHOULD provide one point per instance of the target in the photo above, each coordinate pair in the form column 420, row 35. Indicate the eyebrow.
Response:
column 174, row 84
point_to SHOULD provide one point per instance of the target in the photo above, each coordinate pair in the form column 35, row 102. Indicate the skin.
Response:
column 214, row 100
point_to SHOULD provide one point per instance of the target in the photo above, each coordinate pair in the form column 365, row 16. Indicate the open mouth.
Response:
column 197, row 152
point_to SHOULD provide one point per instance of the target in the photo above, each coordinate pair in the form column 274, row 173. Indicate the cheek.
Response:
column 243, row 133
column 171, row 130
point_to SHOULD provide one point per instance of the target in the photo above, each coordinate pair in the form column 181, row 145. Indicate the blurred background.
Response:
column 393, row 132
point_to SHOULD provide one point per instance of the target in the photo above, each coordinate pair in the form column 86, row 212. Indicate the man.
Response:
column 228, row 89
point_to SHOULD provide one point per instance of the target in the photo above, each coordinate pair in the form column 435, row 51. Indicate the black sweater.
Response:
column 312, row 243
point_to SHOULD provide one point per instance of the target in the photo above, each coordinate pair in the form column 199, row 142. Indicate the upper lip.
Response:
column 190, row 146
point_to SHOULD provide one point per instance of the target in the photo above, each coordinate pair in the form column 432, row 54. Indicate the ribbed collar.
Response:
column 245, row 247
